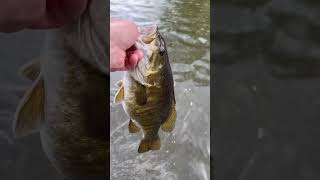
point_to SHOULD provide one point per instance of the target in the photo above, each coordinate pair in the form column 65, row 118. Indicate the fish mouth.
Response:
column 146, row 43
column 150, row 40
column 148, row 30
column 149, row 33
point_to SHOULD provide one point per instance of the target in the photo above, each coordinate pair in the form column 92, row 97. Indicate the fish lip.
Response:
column 148, row 30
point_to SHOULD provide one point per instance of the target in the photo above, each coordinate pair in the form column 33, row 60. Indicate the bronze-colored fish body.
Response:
column 74, row 133
column 68, row 100
column 147, row 92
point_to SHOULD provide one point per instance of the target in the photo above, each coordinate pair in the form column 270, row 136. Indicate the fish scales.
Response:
column 68, row 99
column 147, row 92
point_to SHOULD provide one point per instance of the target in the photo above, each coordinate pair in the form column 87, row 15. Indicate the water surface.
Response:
column 267, row 60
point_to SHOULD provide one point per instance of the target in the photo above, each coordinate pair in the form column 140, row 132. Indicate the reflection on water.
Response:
column 185, row 152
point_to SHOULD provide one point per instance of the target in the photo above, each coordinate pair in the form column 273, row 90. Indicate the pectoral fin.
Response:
column 119, row 95
column 149, row 144
column 119, row 83
column 30, row 113
column 31, row 70
column 169, row 123
column 133, row 127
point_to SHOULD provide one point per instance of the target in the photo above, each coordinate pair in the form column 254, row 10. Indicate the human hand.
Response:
column 123, row 35
column 16, row 15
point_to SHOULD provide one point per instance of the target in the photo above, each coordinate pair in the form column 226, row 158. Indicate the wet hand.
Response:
column 16, row 15
column 123, row 35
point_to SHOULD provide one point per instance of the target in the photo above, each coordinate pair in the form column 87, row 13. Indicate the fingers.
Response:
column 124, row 33
column 133, row 60
column 16, row 15
column 139, row 53
column 60, row 12
column 133, row 56
column 121, row 61
column 117, row 58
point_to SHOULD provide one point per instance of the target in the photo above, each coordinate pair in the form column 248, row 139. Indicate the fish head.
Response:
column 155, row 56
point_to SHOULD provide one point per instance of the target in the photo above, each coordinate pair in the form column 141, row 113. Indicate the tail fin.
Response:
column 149, row 144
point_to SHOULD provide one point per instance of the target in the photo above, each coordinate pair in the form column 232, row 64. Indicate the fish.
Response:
column 146, row 91
column 67, row 102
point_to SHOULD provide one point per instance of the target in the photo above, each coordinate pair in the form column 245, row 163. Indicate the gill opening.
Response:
column 139, row 74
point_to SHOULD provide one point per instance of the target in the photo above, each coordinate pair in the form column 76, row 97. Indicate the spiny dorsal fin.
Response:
column 169, row 123
column 30, row 112
column 31, row 70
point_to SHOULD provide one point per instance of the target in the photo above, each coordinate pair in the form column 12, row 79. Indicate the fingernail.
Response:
column 139, row 53
column 133, row 59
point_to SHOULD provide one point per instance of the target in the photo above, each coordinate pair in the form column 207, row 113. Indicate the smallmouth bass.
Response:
column 146, row 92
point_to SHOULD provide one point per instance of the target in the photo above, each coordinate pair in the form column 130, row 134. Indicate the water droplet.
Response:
column 191, row 103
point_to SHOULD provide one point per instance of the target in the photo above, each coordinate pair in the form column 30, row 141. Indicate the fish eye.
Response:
column 161, row 52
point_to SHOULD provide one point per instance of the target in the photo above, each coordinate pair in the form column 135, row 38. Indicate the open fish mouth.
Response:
column 145, row 32
column 147, row 35
column 149, row 30
column 145, row 43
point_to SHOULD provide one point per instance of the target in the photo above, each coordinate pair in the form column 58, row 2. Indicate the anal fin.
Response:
column 133, row 127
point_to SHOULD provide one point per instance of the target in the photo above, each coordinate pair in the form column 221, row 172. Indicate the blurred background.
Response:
column 266, row 153
column 19, row 158
column 267, row 60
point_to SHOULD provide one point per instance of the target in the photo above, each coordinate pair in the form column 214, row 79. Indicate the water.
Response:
column 267, row 62
column 185, row 152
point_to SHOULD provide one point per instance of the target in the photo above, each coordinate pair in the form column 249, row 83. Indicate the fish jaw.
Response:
column 149, row 68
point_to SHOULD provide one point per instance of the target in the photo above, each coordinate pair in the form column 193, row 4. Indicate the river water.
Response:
column 185, row 153
column 267, row 63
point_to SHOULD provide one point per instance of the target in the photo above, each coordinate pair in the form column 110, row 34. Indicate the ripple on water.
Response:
column 198, row 71
column 190, row 140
